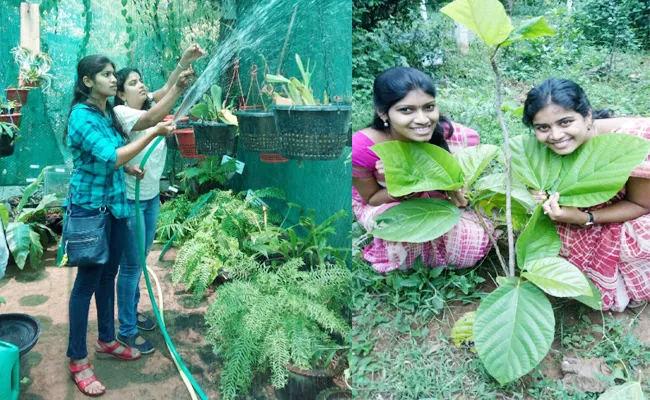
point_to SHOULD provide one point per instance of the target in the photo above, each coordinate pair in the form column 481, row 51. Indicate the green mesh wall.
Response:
column 151, row 35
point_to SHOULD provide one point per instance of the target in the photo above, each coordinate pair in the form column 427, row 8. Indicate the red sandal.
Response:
column 127, row 354
column 82, row 384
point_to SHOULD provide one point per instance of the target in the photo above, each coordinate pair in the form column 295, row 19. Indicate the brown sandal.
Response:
column 82, row 384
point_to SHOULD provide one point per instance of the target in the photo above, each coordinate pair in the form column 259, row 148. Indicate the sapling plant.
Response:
column 514, row 326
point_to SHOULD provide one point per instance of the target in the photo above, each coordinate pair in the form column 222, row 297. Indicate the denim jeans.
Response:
column 128, row 280
column 100, row 281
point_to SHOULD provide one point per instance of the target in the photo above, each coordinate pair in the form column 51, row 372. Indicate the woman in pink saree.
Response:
column 406, row 110
column 610, row 242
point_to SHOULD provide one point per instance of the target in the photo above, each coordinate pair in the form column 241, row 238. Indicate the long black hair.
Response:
column 90, row 66
column 563, row 92
column 122, row 76
column 393, row 85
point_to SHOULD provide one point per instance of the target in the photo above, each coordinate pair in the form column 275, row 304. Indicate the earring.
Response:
column 386, row 124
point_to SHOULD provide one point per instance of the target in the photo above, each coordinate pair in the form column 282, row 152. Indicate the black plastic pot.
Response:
column 257, row 131
column 305, row 384
column 6, row 145
column 313, row 132
column 215, row 138
column 21, row 330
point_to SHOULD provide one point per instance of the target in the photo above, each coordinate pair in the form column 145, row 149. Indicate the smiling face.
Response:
column 135, row 92
column 414, row 117
column 562, row 130
column 103, row 84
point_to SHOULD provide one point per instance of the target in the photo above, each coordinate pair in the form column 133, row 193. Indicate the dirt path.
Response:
column 44, row 294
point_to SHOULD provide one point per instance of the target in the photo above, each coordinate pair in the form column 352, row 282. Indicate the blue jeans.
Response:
column 100, row 281
column 128, row 280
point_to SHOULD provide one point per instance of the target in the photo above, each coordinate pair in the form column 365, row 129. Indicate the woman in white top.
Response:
column 139, row 110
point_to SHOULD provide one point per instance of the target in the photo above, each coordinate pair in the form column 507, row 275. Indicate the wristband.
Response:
column 181, row 67
column 591, row 219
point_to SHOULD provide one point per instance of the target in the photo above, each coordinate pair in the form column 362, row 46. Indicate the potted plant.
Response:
column 13, row 119
column 18, row 95
column 215, row 132
column 9, row 107
column 308, row 130
column 277, row 319
column 257, row 124
column 33, row 68
column 8, row 135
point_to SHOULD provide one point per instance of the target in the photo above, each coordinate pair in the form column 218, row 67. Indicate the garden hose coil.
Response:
column 185, row 373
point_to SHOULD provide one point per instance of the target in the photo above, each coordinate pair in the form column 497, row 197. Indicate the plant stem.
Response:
column 493, row 241
column 506, row 144
column 286, row 39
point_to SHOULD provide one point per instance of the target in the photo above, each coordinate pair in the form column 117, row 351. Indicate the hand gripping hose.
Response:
column 185, row 373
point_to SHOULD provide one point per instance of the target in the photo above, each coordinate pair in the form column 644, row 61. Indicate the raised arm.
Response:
column 193, row 53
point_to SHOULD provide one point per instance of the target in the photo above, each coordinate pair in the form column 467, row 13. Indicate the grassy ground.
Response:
column 402, row 322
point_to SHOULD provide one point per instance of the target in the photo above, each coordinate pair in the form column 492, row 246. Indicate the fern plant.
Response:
column 208, row 171
column 266, row 319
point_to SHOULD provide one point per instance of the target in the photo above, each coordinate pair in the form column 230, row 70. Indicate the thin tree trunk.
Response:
column 506, row 143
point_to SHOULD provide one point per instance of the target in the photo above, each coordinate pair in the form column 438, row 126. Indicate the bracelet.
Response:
column 181, row 67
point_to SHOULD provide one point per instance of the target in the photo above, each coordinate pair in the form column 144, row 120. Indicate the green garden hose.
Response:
column 143, row 261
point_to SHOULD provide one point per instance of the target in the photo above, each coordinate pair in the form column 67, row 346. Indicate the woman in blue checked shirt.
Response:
column 99, row 149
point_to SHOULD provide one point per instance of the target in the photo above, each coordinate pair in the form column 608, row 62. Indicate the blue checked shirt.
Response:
column 93, row 142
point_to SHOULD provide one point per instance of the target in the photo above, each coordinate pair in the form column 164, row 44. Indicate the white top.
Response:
column 150, row 184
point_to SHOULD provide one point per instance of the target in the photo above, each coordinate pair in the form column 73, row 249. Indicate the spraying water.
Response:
column 262, row 15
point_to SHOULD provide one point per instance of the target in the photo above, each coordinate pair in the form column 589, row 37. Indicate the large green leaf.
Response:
column 538, row 240
column 596, row 171
column 418, row 167
column 20, row 241
column 473, row 160
column 534, row 164
column 486, row 18
column 491, row 201
column 627, row 391
column 557, row 277
column 513, row 330
column 497, row 183
column 4, row 214
column 30, row 189
column 417, row 220
column 529, row 29
column 28, row 212
column 595, row 300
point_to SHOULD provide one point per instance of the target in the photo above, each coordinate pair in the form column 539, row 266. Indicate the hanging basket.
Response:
column 11, row 118
column 215, row 138
column 312, row 132
column 257, row 131
column 6, row 145
column 273, row 158
column 17, row 95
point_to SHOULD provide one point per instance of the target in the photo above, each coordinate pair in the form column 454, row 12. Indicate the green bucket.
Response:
column 215, row 138
column 313, row 132
column 257, row 131
column 9, row 371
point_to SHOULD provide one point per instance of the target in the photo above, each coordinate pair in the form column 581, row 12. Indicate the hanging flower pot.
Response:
column 215, row 138
column 257, row 131
column 17, row 95
column 183, row 138
column 313, row 132
column 273, row 158
column 11, row 118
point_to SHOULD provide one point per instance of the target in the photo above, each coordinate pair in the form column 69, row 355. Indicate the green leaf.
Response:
column 417, row 167
column 28, row 212
column 276, row 78
column 538, row 240
column 473, row 160
column 596, row 171
column 36, row 248
column 417, row 220
column 512, row 107
column 513, row 330
column 2, row 301
column 201, row 111
column 497, row 183
column 29, row 190
column 486, row 18
column 534, row 164
column 490, row 201
column 557, row 277
column 19, row 241
column 215, row 92
column 129, row 20
column 462, row 330
column 627, row 391
column 124, row 12
column 529, row 29
column 4, row 214
column 124, row 3
column 594, row 301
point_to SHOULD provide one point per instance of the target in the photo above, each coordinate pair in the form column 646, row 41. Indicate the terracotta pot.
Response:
column 18, row 95
column 11, row 118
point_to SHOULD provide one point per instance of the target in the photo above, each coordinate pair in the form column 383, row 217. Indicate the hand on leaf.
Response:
column 567, row 215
